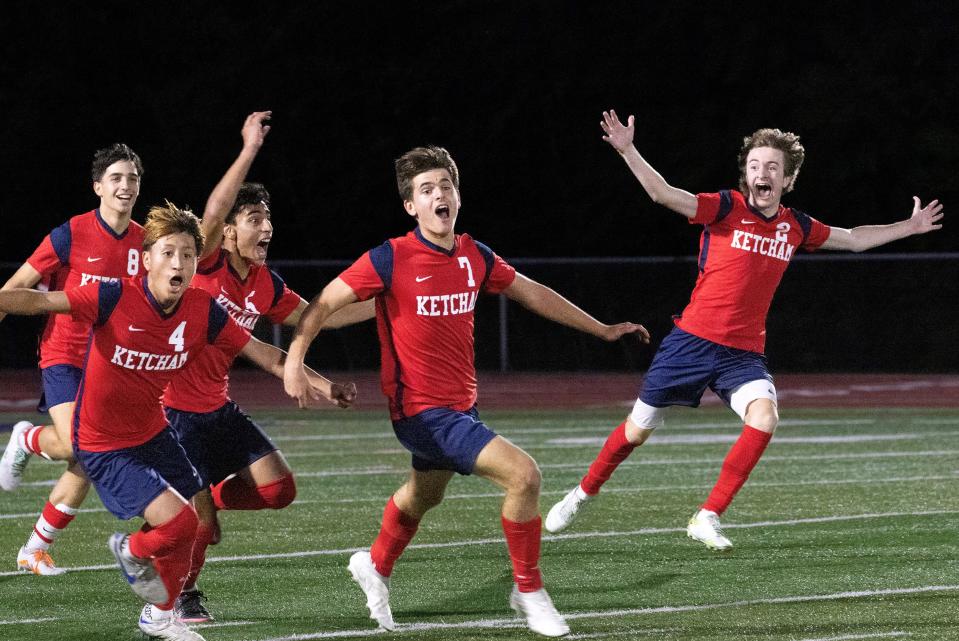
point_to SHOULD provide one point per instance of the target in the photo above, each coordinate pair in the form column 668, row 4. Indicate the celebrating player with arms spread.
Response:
column 145, row 331
column 426, row 285
column 103, row 244
column 749, row 237
column 229, row 450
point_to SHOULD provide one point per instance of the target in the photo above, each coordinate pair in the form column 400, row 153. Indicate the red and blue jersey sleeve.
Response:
column 818, row 234
column 499, row 273
column 285, row 300
column 371, row 273
column 54, row 251
column 712, row 207
column 224, row 333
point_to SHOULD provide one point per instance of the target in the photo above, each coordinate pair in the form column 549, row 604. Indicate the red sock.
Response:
column 31, row 440
column 204, row 534
column 170, row 546
column 614, row 452
column 53, row 520
column 523, row 541
column 236, row 494
column 740, row 461
column 396, row 532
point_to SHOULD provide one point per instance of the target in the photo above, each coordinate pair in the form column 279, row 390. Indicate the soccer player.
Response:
column 102, row 244
column 145, row 331
column 426, row 285
column 229, row 450
column 748, row 239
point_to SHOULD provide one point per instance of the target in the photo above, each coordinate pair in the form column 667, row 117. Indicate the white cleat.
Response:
column 165, row 625
column 375, row 586
column 539, row 611
column 562, row 514
column 38, row 562
column 139, row 573
column 705, row 528
column 15, row 458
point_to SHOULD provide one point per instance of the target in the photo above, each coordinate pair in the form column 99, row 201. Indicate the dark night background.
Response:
column 515, row 90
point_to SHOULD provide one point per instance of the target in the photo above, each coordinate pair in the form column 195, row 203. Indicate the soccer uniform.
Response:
column 120, row 435
column 219, row 438
column 83, row 250
column 425, row 297
column 719, row 338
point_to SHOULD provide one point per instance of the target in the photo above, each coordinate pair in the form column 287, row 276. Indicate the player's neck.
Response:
column 117, row 221
column 447, row 242
column 238, row 263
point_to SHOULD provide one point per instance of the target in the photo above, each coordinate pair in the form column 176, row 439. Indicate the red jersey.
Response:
column 425, row 296
column 83, row 250
column 135, row 350
column 203, row 386
column 742, row 258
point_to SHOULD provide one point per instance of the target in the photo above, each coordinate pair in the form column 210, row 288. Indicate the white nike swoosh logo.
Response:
column 135, row 329
column 747, row 222
column 420, row 279
column 93, row 260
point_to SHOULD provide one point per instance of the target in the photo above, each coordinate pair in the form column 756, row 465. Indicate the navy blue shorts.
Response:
column 128, row 479
column 60, row 385
column 221, row 442
column 444, row 439
column 685, row 365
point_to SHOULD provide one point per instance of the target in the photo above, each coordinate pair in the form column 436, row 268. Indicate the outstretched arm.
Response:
column 30, row 302
column 620, row 137
column 548, row 304
column 350, row 315
column 334, row 296
column 271, row 359
column 857, row 239
column 223, row 196
column 26, row 276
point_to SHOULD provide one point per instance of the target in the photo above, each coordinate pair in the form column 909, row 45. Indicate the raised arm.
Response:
column 271, row 359
column 30, row 302
column 857, row 239
column 223, row 196
column 334, row 296
column 24, row 277
column 620, row 138
column 548, row 304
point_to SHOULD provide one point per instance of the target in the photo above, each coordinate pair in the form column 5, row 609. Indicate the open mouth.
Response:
column 176, row 281
column 443, row 211
column 262, row 247
column 764, row 189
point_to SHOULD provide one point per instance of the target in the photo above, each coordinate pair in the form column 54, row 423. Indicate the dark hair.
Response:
column 103, row 158
column 249, row 194
column 785, row 141
column 170, row 219
column 416, row 161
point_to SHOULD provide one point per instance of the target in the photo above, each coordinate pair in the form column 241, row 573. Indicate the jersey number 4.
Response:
column 176, row 338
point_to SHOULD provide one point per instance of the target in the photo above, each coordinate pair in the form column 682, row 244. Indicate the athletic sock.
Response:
column 170, row 546
column 523, row 541
column 739, row 462
column 30, row 440
column 204, row 533
column 234, row 493
column 53, row 520
column 396, row 532
column 615, row 450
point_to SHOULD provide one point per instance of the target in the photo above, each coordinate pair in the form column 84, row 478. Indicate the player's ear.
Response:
column 409, row 207
column 97, row 188
column 787, row 184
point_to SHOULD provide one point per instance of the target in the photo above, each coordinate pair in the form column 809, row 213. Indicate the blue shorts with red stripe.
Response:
column 128, row 479
column 444, row 439
column 685, row 365
column 221, row 442
column 60, row 385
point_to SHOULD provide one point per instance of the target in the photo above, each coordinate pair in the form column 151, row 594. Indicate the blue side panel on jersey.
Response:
column 725, row 204
column 487, row 254
column 382, row 258
column 278, row 286
column 62, row 238
column 108, row 297
column 216, row 321
column 705, row 249
column 805, row 222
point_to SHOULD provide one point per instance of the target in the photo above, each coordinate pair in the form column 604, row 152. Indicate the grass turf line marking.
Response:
column 550, row 537
column 871, row 635
column 609, row 614
column 29, row 621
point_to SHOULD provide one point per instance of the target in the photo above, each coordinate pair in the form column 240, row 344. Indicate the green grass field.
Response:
column 848, row 529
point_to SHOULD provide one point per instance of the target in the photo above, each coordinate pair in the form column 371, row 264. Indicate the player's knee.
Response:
column 527, row 479
column 279, row 494
column 762, row 415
